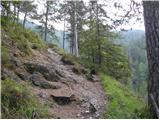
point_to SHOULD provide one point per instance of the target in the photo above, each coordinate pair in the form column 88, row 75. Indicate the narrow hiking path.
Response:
column 69, row 95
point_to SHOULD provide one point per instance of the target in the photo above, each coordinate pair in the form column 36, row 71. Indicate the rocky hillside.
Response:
column 68, row 89
column 40, row 80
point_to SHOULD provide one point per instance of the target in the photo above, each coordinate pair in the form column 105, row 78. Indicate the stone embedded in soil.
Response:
column 63, row 100
column 38, row 80
column 35, row 67
column 92, row 108
column 67, row 61
column 21, row 73
column 47, row 71
column 5, row 74
column 92, row 78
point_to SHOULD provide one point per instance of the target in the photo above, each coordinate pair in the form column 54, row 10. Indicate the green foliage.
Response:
column 60, row 51
column 72, row 60
column 116, row 64
column 113, row 62
column 69, row 59
column 18, row 102
column 23, row 38
column 143, row 113
column 4, row 55
column 135, row 48
column 122, row 103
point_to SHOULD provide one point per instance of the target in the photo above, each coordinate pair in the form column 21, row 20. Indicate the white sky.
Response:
column 110, row 11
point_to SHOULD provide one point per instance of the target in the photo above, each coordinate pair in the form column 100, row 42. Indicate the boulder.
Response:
column 15, row 62
column 5, row 73
column 22, row 74
column 92, row 78
column 63, row 100
column 76, row 70
column 94, row 106
column 47, row 71
column 32, row 67
column 34, row 46
column 67, row 60
column 93, row 71
column 38, row 80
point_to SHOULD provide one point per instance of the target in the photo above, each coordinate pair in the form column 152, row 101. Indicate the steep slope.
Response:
column 56, row 81
column 61, row 85
column 122, row 103
column 72, row 95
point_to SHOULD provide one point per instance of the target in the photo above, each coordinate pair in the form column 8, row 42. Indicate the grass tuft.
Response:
column 4, row 56
column 24, row 39
column 18, row 102
column 122, row 103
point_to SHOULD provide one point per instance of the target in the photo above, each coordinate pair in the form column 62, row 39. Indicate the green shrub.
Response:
column 4, row 55
column 122, row 103
column 60, row 51
column 76, row 70
column 33, row 38
column 69, row 59
column 51, row 45
column 23, row 38
column 18, row 102
column 143, row 113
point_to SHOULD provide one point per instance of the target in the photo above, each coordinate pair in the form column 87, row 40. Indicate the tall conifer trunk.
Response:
column 46, row 22
column 151, row 18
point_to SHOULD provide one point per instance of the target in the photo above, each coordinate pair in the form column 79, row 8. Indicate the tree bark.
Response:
column 14, row 13
column 64, row 35
column 46, row 23
column 18, row 13
column 151, row 18
column 90, row 10
column 24, row 21
column 97, row 36
column 8, row 10
column 75, row 32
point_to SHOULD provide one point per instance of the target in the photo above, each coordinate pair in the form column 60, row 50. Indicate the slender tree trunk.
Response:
column 8, row 10
column 24, row 21
column 64, row 35
column 72, row 38
column 14, row 13
column 46, row 23
column 18, row 13
column 75, row 30
column 97, row 36
column 90, row 10
column 151, row 18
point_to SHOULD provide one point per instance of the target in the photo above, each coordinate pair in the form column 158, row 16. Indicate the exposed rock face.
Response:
column 9, row 74
column 67, row 93
column 48, row 72
column 63, row 100
column 38, row 80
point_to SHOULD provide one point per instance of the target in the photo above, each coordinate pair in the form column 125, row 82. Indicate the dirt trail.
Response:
column 67, row 94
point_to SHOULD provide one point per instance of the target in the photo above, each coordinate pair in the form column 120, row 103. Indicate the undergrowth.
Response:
column 60, row 51
column 17, row 101
column 122, row 103
column 21, row 37
column 4, row 56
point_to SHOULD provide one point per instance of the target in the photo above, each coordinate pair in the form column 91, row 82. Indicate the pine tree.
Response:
column 151, row 18
column 29, row 10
